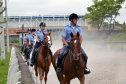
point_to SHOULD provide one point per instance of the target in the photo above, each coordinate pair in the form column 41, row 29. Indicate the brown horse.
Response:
column 73, row 66
column 26, row 50
column 44, row 60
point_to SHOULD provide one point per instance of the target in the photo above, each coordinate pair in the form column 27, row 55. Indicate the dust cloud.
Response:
column 107, row 64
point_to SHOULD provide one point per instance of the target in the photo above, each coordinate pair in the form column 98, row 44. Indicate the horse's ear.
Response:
column 71, row 34
column 78, row 34
column 49, row 33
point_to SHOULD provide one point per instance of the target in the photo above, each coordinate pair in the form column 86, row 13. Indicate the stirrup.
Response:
column 58, row 71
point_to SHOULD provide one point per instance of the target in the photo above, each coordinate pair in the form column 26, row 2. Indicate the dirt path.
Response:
column 108, row 67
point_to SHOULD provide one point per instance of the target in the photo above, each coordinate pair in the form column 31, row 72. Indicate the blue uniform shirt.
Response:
column 28, row 36
column 40, row 34
column 68, row 29
column 24, row 39
column 31, row 39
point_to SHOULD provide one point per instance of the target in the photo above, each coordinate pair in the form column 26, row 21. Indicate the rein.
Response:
column 71, row 51
column 74, row 64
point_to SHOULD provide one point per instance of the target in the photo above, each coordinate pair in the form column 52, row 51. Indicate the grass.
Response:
column 4, row 66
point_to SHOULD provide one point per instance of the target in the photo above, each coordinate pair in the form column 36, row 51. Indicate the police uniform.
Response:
column 30, row 38
column 40, row 37
column 66, row 33
column 28, row 35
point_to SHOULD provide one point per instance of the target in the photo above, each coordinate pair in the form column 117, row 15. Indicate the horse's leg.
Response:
column 46, row 72
column 59, row 76
column 82, row 80
column 41, row 74
column 66, row 80
column 36, row 72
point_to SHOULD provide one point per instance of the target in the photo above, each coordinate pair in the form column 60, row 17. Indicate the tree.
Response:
column 104, row 11
column 1, row 12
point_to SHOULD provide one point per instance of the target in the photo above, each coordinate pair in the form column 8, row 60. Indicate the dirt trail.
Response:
column 107, row 66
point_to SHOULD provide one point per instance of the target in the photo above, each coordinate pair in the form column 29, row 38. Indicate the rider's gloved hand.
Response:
column 69, row 46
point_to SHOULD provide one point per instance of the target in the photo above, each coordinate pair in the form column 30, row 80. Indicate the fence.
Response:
column 18, row 69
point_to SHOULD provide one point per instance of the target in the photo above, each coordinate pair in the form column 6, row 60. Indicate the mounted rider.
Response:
column 39, row 40
column 74, row 28
column 30, row 39
column 24, row 45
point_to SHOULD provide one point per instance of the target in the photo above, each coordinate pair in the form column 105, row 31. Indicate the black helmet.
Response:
column 29, row 29
column 42, row 24
column 73, row 16
column 33, row 30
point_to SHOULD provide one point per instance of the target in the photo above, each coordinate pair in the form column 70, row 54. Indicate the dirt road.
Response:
column 107, row 66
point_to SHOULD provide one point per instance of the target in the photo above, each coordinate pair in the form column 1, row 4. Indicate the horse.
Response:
column 43, row 60
column 26, row 50
column 34, row 42
column 73, row 66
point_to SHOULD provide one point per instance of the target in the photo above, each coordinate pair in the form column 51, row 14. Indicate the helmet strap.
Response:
column 73, row 22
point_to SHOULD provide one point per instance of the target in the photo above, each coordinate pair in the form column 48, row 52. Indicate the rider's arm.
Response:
column 80, row 39
column 37, row 38
column 64, row 41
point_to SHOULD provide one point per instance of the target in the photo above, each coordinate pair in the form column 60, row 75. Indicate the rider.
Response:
column 39, row 39
column 24, row 42
column 74, row 28
column 29, row 33
column 30, row 38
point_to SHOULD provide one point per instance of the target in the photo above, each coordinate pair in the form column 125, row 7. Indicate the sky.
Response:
column 53, row 7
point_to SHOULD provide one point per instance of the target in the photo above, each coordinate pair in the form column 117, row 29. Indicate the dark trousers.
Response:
column 29, row 51
column 37, row 45
column 64, row 48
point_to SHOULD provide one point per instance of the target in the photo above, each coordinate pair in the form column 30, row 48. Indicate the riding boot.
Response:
column 50, row 53
column 86, row 70
column 59, row 61
column 32, row 59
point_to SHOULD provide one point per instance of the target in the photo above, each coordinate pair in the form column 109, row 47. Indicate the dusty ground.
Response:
column 107, row 66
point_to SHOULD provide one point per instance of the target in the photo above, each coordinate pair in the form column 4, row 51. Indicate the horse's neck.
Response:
column 44, row 51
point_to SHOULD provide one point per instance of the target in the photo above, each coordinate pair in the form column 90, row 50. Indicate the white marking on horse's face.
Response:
column 49, row 41
column 75, row 41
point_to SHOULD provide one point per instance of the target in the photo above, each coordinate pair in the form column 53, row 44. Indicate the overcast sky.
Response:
column 56, row 7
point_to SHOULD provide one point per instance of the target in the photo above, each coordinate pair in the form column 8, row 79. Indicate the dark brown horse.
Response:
column 74, row 65
column 44, row 60
column 27, row 47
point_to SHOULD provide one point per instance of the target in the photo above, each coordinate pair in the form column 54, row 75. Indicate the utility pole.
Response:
column 2, row 35
column 7, row 34
column 22, row 32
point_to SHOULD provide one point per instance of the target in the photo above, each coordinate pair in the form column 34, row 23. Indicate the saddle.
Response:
column 64, row 56
column 36, row 51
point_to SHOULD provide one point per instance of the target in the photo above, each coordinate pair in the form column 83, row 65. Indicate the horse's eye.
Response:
column 44, row 38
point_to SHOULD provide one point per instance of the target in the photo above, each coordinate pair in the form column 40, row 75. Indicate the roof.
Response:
column 41, row 17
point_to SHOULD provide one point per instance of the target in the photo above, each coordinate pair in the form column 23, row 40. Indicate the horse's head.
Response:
column 47, row 39
column 75, row 45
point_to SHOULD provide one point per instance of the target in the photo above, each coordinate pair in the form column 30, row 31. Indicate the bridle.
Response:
column 76, row 57
column 43, row 43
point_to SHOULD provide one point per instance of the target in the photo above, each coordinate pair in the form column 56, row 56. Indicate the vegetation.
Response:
column 120, row 37
column 103, row 13
column 15, row 41
column 4, row 66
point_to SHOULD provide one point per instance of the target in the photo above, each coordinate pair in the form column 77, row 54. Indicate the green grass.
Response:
column 120, row 37
column 4, row 66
